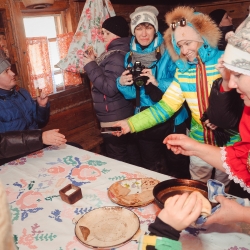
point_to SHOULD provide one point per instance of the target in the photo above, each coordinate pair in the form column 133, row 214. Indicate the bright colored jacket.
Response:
column 20, row 112
column 162, row 236
column 159, row 243
column 236, row 158
column 182, row 88
column 165, row 72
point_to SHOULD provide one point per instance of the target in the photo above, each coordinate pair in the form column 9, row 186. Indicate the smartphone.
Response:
column 110, row 130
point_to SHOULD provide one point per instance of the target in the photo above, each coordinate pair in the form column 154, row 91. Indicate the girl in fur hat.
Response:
column 191, row 40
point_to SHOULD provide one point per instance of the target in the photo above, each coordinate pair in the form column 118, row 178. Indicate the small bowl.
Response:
column 165, row 189
column 70, row 193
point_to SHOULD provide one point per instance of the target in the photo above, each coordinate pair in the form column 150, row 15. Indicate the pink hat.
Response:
column 186, row 33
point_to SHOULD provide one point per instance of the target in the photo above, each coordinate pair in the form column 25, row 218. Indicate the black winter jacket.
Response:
column 110, row 105
column 16, row 143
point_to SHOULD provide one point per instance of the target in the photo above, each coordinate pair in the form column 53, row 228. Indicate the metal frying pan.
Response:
column 168, row 188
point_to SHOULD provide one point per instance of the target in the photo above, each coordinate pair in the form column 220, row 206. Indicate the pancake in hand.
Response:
column 206, row 205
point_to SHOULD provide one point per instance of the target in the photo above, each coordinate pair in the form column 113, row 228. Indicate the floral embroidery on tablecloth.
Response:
column 29, row 239
column 56, row 215
column 37, row 154
column 20, row 161
column 86, row 172
column 29, row 200
column 73, row 245
column 96, row 163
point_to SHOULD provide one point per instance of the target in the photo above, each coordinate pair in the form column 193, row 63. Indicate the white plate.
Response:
column 108, row 226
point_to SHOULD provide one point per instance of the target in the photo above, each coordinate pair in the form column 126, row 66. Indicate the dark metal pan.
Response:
column 168, row 188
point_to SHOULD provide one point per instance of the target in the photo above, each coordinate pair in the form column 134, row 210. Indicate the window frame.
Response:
column 60, row 29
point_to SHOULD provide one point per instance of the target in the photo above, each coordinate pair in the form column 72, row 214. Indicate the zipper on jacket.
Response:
column 106, row 106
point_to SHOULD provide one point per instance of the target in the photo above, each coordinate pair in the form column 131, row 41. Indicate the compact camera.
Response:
column 136, row 70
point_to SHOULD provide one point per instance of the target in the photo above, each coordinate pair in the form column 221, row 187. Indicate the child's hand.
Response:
column 179, row 216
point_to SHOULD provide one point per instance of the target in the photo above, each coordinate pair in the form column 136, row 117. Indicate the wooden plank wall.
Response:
column 72, row 112
column 238, row 9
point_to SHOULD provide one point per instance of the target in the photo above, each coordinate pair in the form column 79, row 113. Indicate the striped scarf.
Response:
column 202, row 94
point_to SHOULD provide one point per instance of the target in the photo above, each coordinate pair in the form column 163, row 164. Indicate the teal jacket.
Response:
column 163, row 71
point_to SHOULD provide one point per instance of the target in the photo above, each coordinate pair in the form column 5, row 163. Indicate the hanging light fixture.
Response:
column 37, row 4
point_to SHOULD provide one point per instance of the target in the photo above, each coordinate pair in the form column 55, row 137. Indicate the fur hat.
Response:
column 117, row 25
column 217, row 15
column 237, row 52
column 145, row 14
column 4, row 63
column 201, row 23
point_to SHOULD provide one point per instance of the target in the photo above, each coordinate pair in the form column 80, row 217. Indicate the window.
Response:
column 49, row 26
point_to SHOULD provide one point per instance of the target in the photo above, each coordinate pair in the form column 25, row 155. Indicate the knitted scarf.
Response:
column 202, row 94
column 146, row 59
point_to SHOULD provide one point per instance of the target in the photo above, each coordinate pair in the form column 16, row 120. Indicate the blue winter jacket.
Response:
column 18, row 111
column 165, row 73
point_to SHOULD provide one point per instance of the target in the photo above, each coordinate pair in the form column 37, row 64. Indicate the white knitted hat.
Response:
column 145, row 14
column 237, row 52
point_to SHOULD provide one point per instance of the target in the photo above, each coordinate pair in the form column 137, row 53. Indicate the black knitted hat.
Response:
column 116, row 25
column 217, row 15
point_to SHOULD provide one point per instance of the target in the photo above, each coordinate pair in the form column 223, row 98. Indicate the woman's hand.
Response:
column 42, row 100
column 124, row 128
column 151, row 78
column 126, row 78
column 181, row 144
column 210, row 125
column 229, row 212
column 53, row 137
column 178, row 215
column 87, row 58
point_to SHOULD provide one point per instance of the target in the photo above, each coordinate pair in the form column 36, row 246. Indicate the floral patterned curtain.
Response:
column 39, row 65
column 64, row 40
column 88, row 34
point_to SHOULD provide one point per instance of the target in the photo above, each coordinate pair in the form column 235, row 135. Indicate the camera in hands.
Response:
column 136, row 70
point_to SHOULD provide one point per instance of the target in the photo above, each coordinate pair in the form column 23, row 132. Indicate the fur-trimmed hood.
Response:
column 203, row 25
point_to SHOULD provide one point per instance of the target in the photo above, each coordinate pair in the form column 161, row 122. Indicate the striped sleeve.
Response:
column 170, row 103
column 148, row 242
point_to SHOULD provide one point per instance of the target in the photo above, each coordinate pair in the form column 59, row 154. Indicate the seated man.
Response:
column 18, row 111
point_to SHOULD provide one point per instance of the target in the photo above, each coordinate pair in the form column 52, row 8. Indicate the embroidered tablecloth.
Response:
column 41, row 220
